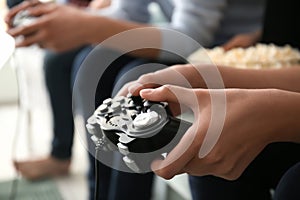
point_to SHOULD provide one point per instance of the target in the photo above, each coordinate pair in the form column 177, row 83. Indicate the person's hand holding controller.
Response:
column 25, row 5
column 254, row 119
column 53, row 28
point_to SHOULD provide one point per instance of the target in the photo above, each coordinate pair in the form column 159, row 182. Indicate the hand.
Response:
column 251, row 123
column 99, row 4
column 242, row 40
column 58, row 27
column 22, row 6
column 188, row 76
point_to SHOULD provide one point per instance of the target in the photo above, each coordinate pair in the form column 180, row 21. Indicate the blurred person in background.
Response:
column 58, row 163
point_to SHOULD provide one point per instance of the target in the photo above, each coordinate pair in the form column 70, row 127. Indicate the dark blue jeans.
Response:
column 262, row 175
column 58, row 72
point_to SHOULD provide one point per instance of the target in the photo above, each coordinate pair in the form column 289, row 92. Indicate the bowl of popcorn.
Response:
column 256, row 57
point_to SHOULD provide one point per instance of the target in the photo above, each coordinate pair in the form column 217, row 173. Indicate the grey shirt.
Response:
column 209, row 22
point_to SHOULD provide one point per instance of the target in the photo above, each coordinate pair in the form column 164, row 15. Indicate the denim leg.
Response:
column 57, row 72
column 259, row 177
column 130, row 186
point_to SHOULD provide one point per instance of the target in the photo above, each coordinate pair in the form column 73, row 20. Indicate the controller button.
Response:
column 145, row 119
column 124, row 126
column 147, row 104
column 139, row 108
column 131, row 164
column 120, row 99
column 133, row 116
column 123, row 149
column 130, row 104
column 124, row 111
column 116, row 106
column 91, row 129
column 92, row 120
column 103, row 108
column 107, row 101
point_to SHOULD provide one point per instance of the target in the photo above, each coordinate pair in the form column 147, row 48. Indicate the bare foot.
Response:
column 44, row 168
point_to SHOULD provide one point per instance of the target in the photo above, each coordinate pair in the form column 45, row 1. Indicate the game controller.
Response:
column 140, row 130
column 23, row 18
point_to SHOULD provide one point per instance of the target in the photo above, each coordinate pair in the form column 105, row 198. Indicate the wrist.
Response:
column 286, row 110
column 91, row 29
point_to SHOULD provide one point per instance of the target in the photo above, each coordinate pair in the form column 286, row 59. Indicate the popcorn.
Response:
column 257, row 57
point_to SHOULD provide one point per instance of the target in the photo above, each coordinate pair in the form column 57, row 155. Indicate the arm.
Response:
column 284, row 78
column 96, row 28
column 196, row 19
column 243, row 40
column 254, row 119
column 57, row 28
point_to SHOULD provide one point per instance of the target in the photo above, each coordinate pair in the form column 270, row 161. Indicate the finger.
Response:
column 27, row 29
column 172, row 94
column 230, row 45
column 171, row 75
column 41, row 9
column 23, row 6
column 198, row 167
column 178, row 158
column 124, row 90
column 30, row 40
column 136, row 87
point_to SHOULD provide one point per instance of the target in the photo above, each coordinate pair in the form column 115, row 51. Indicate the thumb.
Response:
column 42, row 9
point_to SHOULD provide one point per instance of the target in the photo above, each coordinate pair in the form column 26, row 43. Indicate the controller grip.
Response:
column 174, row 131
column 163, row 142
column 167, row 138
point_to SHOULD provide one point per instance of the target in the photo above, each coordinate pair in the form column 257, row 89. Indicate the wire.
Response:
column 97, row 168
column 97, row 178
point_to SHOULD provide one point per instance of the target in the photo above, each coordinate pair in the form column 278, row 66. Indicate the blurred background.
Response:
column 26, row 132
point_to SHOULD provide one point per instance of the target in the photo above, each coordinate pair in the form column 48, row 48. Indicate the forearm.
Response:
column 198, row 76
column 285, row 78
column 99, row 28
column 287, row 120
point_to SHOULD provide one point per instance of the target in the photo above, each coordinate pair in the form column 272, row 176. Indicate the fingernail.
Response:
column 146, row 91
